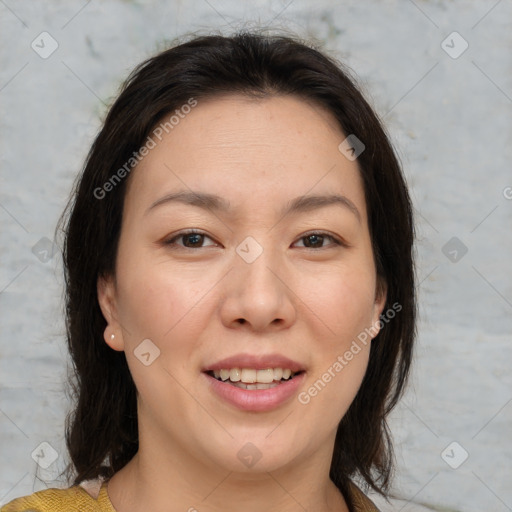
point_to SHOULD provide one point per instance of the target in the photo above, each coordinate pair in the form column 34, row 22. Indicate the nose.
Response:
column 259, row 294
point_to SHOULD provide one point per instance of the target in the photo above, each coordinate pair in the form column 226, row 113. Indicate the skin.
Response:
column 308, row 304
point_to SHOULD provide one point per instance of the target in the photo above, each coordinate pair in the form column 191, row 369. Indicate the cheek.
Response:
column 343, row 302
column 331, row 390
column 170, row 306
column 154, row 299
column 166, row 308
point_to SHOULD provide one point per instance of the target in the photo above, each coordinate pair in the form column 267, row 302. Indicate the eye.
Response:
column 316, row 239
column 192, row 239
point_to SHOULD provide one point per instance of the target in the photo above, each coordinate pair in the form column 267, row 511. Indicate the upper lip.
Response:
column 261, row 362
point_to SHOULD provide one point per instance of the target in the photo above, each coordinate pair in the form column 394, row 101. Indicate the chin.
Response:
column 255, row 456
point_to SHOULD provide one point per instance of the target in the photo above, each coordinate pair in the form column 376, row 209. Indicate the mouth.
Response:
column 247, row 393
column 255, row 383
column 253, row 379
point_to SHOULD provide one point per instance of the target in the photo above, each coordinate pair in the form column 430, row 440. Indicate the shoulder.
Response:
column 71, row 499
column 361, row 502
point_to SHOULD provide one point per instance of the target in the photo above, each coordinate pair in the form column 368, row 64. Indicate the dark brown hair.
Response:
column 101, row 431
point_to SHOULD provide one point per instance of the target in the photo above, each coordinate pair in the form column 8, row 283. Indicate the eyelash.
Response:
column 336, row 241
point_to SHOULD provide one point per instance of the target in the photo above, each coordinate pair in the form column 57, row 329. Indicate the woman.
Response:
column 239, row 286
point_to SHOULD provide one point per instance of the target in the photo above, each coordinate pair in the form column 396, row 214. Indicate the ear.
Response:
column 107, row 299
column 381, row 294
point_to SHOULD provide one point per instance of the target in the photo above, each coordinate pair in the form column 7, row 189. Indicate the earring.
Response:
column 112, row 336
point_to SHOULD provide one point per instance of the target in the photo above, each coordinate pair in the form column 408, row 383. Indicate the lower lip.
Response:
column 257, row 400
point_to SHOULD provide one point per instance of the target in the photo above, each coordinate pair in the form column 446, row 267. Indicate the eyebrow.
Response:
column 299, row 204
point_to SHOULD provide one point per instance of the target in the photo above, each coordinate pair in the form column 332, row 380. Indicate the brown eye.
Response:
column 191, row 240
column 316, row 240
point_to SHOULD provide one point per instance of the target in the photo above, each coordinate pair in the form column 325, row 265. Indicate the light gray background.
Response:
column 450, row 119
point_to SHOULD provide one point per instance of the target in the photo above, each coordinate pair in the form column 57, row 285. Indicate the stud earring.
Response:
column 112, row 336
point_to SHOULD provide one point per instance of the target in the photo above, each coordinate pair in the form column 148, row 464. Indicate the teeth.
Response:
column 265, row 376
column 235, row 375
column 248, row 376
column 254, row 386
column 252, row 377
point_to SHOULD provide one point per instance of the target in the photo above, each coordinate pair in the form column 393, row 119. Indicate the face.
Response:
column 261, row 285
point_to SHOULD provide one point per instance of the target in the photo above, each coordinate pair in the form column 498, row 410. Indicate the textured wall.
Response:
column 448, row 109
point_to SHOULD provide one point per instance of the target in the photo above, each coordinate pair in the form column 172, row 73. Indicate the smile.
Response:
column 249, row 378
column 256, row 396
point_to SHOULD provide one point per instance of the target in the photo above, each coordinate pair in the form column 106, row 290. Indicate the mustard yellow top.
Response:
column 77, row 499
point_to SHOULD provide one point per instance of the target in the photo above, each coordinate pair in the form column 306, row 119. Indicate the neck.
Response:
column 154, row 480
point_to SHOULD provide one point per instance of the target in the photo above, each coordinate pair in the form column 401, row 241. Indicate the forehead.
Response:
column 250, row 151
